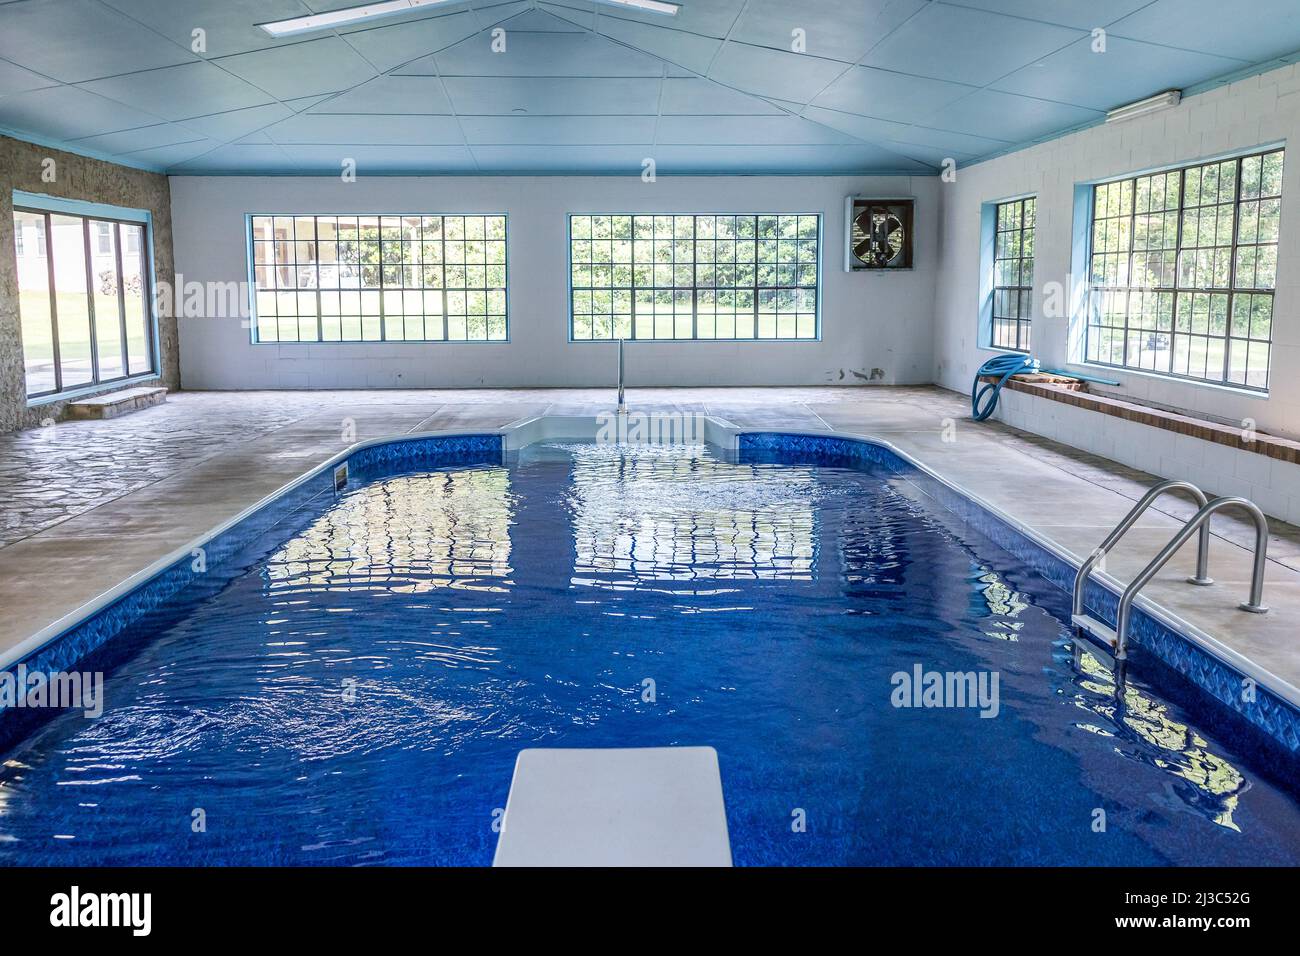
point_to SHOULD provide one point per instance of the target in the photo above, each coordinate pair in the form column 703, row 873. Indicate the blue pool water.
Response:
column 355, row 687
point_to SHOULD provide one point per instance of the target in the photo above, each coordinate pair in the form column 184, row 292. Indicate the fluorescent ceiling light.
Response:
column 348, row 15
column 654, row 6
column 1161, row 101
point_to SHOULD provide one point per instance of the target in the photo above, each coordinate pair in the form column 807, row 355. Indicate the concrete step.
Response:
column 113, row 404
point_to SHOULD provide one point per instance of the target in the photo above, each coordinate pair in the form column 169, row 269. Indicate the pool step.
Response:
column 627, row 806
column 122, row 402
column 1098, row 629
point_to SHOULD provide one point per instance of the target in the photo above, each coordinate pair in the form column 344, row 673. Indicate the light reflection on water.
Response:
column 1205, row 781
column 407, row 535
column 658, row 516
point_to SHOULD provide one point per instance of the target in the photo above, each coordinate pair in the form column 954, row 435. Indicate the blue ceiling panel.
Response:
column 747, row 131
column 171, row 92
column 694, row 96
column 14, row 79
column 966, row 46
column 389, row 94
column 166, row 157
column 326, row 65
column 236, row 123
column 866, row 128
column 892, row 86
column 957, row 143
column 540, row 54
column 67, row 113
column 887, row 95
column 1254, row 30
column 238, row 159
column 710, row 18
column 493, row 12
column 553, row 95
column 1127, row 71
column 611, row 160
column 343, row 129
column 134, row 140
column 72, row 40
column 1006, row 116
column 391, row 46
column 558, row 130
column 1081, row 14
column 788, row 76
column 929, row 155
column 836, row 29
column 229, row 26
column 380, row 160
column 846, row 160
column 489, row 11
column 539, row 21
column 693, row 52
column 580, row 14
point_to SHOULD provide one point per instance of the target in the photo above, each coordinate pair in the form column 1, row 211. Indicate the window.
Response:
column 379, row 278
column 694, row 277
column 1013, row 274
column 1183, row 268
column 83, row 302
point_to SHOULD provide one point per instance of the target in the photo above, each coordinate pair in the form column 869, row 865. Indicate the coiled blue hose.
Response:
column 1001, row 365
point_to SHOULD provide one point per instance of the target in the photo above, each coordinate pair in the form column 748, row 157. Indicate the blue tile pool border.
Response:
column 68, row 644
column 1268, row 712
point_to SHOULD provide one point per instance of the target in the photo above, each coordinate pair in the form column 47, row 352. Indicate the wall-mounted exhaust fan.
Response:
column 878, row 236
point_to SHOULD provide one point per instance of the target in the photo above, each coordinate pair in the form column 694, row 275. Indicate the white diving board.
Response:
column 652, row 806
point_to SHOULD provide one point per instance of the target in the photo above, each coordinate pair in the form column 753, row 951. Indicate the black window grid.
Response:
column 1013, row 274
column 1183, row 268
column 694, row 276
column 418, row 278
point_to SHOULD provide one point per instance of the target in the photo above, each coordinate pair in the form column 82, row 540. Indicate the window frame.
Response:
column 695, row 289
column 1090, row 308
column 988, row 231
column 88, row 213
column 1024, row 293
column 253, row 288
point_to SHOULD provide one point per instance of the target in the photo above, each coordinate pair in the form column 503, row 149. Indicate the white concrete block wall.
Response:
column 867, row 321
column 1272, row 484
column 1256, row 111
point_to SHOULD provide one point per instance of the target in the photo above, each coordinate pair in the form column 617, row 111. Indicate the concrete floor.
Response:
column 84, row 505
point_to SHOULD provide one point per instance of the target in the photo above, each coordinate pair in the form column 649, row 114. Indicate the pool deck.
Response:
column 86, row 504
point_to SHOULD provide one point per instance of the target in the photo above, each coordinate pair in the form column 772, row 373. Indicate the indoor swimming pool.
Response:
column 351, row 684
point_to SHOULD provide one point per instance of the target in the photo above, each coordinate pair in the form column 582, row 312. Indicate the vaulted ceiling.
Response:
column 591, row 87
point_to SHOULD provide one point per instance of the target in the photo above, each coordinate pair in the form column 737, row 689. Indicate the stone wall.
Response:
column 92, row 180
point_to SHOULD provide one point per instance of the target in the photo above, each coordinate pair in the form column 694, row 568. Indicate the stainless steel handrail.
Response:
column 1200, row 521
column 1202, row 550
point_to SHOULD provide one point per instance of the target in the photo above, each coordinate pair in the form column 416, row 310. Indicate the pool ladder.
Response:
column 1117, row 638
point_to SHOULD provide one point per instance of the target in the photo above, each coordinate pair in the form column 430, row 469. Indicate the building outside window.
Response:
column 1013, row 274
column 409, row 278
column 1183, row 268
column 84, row 300
column 694, row 276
